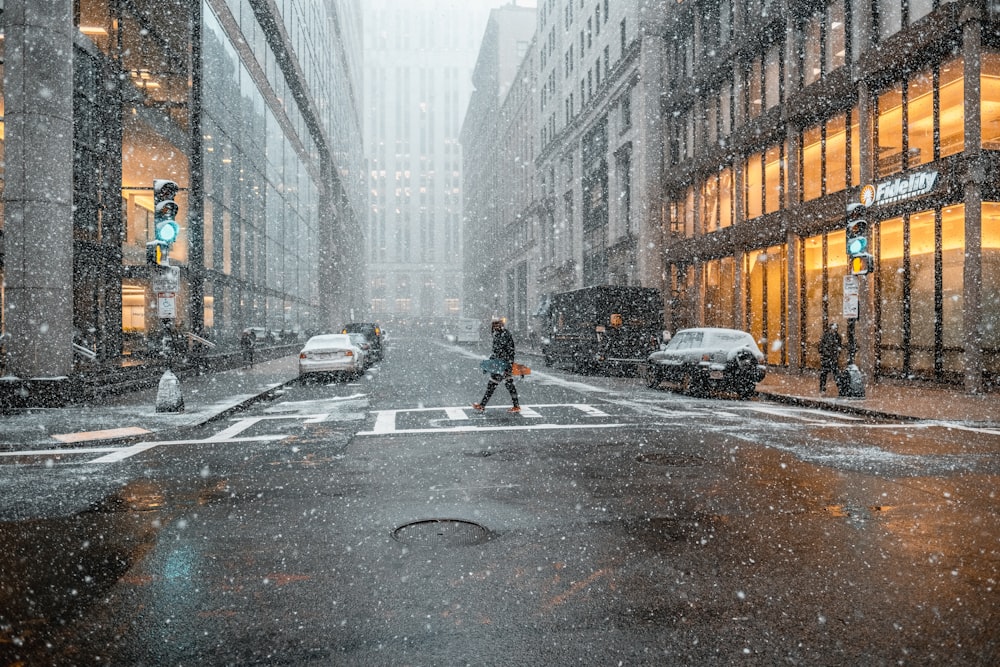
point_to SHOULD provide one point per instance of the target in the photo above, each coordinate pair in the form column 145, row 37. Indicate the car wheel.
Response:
column 694, row 385
column 653, row 376
column 745, row 389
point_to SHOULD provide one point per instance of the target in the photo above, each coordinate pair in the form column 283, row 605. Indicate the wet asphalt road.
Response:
column 381, row 522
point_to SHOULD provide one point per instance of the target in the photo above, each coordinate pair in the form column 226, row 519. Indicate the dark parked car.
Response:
column 371, row 331
column 705, row 359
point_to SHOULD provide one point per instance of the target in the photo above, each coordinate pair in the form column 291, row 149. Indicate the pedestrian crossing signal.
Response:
column 861, row 264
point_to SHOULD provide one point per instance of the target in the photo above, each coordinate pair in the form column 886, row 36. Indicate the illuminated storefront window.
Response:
column 989, row 296
column 716, row 210
column 990, row 105
column 906, row 120
column 824, row 268
column 766, row 271
column 752, row 184
column 824, row 161
column 720, row 292
column 920, row 303
column 952, row 108
column 774, row 179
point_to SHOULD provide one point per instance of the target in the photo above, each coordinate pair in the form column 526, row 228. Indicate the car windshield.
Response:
column 686, row 340
column 358, row 339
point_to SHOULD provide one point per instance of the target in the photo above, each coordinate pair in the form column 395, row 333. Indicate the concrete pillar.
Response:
column 38, row 228
column 973, row 180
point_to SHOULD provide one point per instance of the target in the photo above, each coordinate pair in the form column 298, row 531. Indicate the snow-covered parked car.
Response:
column 331, row 353
column 709, row 359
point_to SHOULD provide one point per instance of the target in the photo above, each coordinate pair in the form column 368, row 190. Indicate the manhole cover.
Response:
column 441, row 532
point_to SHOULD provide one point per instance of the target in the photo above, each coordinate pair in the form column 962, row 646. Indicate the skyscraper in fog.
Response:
column 419, row 56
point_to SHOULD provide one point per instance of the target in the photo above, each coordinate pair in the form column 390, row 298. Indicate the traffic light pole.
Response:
column 853, row 384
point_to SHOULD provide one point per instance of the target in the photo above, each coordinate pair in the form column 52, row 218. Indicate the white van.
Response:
column 467, row 330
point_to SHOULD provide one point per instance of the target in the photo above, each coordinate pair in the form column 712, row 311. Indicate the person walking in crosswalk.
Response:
column 503, row 350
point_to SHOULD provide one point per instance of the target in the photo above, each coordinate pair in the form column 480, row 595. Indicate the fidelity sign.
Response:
column 904, row 187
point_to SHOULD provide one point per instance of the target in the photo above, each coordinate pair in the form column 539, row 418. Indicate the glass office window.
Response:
column 710, row 204
column 891, row 297
column 920, row 119
column 990, row 102
column 855, row 149
column 836, row 42
column 952, row 107
column 752, row 182
column 835, row 164
column 813, row 305
column 889, row 134
column 812, row 43
column 726, row 198
column 772, row 76
column 890, row 18
column 812, row 163
column 953, row 287
column 720, row 292
column 774, row 186
column 990, row 298
column 922, row 316
column 918, row 9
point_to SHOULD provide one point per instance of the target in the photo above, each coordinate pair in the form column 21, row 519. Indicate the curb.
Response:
column 836, row 407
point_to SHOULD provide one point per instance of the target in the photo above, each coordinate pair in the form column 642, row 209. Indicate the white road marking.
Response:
column 477, row 429
column 456, row 414
column 590, row 410
column 385, row 420
column 231, row 434
column 802, row 413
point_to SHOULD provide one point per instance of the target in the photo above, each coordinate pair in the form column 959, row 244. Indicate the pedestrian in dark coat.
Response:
column 248, row 341
column 830, row 346
column 503, row 349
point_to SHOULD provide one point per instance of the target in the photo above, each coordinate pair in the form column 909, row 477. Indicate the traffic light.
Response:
column 857, row 247
column 165, row 213
column 857, row 237
column 156, row 252
column 861, row 264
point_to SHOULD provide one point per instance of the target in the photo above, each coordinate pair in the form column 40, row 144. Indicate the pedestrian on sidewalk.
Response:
column 503, row 350
column 248, row 341
column 830, row 345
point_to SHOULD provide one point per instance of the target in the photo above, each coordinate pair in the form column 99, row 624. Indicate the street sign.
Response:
column 167, row 280
column 852, row 289
column 166, row 305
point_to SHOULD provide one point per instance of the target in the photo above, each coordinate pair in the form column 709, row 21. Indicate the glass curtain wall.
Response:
column 261, row 196
column 919, row 325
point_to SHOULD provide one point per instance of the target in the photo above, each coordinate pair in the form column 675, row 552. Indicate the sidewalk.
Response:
column 126, row 416
column 885, row 399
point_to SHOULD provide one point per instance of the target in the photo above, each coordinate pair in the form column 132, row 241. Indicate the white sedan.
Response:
column 331, row 353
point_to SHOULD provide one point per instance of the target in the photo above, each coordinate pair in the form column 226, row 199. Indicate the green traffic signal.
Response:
column 857, row 237
column 165, row 211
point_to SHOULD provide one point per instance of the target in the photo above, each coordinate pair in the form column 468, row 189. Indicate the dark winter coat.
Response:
column 829, row 349
column 503, row 346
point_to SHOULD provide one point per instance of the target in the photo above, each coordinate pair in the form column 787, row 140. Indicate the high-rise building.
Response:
column 499, row 143
column 786, row 120
column 418, row 61
column 718, row 149
column 251, row 108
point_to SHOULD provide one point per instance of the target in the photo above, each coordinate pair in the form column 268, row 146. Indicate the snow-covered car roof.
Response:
column 328, row 340
column 715, row 337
